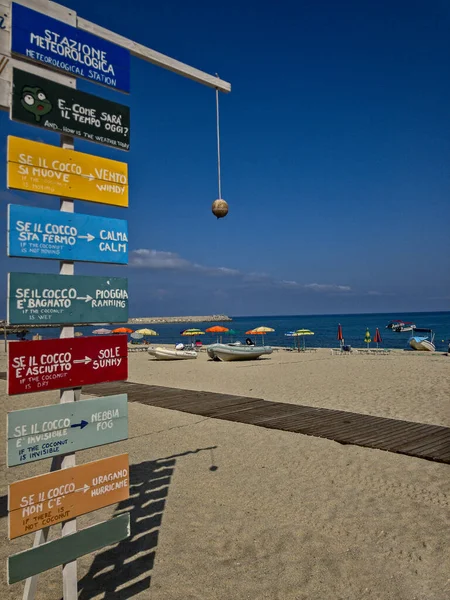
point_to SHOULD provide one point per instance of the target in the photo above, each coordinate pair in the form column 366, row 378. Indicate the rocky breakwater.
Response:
column 203, row 319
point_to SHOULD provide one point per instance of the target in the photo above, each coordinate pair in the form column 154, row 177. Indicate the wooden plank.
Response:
column 55, row 497
column 52, row 234
column 156, row 58
column 64, row 550
column 57, row 45
column 429, row 440
column 66, row 363
column 43, row 103
column 45, row 169
column 392, row 435
column 58, row 299
column 49, row 431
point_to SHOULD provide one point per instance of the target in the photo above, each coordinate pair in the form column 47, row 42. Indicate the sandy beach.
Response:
column 224, row 511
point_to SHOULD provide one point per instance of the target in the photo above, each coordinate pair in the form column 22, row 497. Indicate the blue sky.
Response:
column 335, row 158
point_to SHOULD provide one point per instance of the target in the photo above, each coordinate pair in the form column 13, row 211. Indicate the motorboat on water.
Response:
column 227, row 352
column 425, row 344
column 400, row 326
column 161, row 353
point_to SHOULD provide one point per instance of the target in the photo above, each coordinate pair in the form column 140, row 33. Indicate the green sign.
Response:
column 44, row 103
column 68, row 548
column 48, row 431
column 40, row 298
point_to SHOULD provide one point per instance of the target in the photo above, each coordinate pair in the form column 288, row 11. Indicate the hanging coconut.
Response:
column 219, row 208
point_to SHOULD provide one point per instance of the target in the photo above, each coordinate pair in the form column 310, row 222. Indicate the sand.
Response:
column 226, row 511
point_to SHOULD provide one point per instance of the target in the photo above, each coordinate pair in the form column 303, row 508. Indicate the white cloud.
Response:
column 327, row 287
column 158, row 259
column 145, row 258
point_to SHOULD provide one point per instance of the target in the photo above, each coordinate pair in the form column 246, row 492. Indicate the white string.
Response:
column 218, row 142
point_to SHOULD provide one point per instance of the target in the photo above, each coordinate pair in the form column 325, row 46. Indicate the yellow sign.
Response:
column 45, row 169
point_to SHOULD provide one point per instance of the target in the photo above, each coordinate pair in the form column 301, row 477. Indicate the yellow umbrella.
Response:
column 301, row 333
column 260, row 330
column 146, row 331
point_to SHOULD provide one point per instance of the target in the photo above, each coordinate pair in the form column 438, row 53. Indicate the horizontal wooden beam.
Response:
column 156, row 58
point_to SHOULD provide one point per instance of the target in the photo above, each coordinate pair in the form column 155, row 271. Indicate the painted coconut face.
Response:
column 35, row 101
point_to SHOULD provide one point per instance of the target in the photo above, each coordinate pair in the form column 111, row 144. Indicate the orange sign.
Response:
column 50, row 499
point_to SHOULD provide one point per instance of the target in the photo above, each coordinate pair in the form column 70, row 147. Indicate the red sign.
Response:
column 66, row 363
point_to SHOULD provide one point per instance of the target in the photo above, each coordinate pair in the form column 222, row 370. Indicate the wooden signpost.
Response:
column 66, row 363
column 42, row 233
column 49, row 431
column 36, row 167
column 59, row 46
column 48, row 499
column 34, row 298
column 67, row 549
column 44, row 103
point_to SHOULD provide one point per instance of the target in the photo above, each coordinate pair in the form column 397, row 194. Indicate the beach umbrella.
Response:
column 217, row 329
column 290, row 334
column 260, row 331
column 78, row 334
column 367, row 339
column 136, row 336
column 193, row 332
column 101, row 331
column 146, row 331
column 232, row 332
column 122, row 330
column 377, row 337
column 340, row 336
column 302, row 333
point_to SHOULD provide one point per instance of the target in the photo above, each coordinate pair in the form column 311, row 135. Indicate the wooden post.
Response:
column 70, row 579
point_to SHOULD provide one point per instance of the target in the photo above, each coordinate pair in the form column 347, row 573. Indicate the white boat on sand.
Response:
column 226, row 352
column 161, row 353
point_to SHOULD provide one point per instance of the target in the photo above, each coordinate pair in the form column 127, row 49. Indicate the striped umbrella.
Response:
column 260, row 331
column 217, row 329
column 302, row 333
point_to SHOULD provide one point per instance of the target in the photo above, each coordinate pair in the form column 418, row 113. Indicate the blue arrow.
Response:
column 80, row 425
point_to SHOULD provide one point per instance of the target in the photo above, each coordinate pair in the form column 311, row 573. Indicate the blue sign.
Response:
column 43, row 233
column 63, row 47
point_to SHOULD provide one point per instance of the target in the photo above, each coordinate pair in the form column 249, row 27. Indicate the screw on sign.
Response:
column 66, row 363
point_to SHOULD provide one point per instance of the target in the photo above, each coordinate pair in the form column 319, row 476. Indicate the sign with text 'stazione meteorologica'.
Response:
column 45, row 169
column 44, row 103
column 43, row 233
column 57, row 45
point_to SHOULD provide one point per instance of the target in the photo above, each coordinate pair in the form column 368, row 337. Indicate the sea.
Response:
column 325, row 327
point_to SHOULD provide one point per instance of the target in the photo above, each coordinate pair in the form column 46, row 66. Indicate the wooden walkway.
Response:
column 431, row 442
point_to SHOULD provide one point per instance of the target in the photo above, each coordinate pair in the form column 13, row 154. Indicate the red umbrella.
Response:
column 340, row 337
column 377, row 337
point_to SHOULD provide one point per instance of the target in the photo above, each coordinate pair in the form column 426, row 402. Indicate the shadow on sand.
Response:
column 122, row 571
